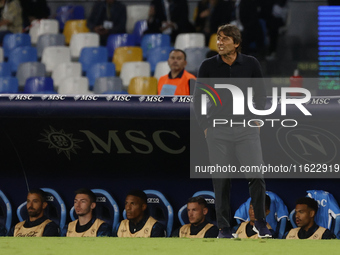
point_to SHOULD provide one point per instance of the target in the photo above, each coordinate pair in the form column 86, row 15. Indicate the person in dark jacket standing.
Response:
column 108, row 17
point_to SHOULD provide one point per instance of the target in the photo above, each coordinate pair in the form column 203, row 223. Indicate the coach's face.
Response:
column 226, row 45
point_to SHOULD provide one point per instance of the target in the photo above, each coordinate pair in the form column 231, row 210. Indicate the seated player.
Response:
column 138, row 222
column 87, row 225
column 37, row 224
column 199, row 226
column 245, row 229
column 305, row 211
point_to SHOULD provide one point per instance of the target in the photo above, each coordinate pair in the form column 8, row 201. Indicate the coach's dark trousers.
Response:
column 224, row 144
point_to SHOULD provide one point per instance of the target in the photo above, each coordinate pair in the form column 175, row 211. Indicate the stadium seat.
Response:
column 21, row 55
column 150, row 41
column 9, row 85
column 209, row 196
column 54, row 55
column 108, row 84
column 39, row 85
column 92, row 55
column 135, row 13
column 195, row 56
column 65, row 70
column 30, row 69
column 126, row 54
column 12, row 41
column 159, row 208
column 189, row 40
column 43, row 26
column 119, row 40
column 143, row 86
column 74, row 85
column 55, row 210
column 133, row 69
column 5, row 211
column 213, row 42
column 158, row 54
column 69, row 12
column 140, row 27
column 328, row 215
column 106, row 209
column 74, row 27
column 162, row 68
column 277, row 218
column 5, row 69
column 47, row 40
column 97, row 70
column 81, row 40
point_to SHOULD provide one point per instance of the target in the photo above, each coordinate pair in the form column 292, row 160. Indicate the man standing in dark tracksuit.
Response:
column 227, row 142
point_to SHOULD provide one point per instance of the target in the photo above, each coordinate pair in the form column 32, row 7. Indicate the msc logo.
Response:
column 85, row 98
column 308, row 144
column 319, row 101
column 184, row 99
column 53, row 97
column 153, row 200
column 60, row 141
column 21, row 97
column 119, row 98
column 152, row 99
column 101, row 199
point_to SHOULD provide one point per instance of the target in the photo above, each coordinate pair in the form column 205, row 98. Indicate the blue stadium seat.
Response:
column 158, row 54
column 20, row 55
column 328, row 215
column 209, row 196
column 92, row 55
column 12, row 41
column 39, row 85
column 100, row 70
column 119, row 40
column 150, row 41
column 5, row 212
column 159, row 208
column 55, row 210
column 106, row 209
column 277, row 218
column 9, row 85
column 139, row 29
column 69, row 12
column 5, row 69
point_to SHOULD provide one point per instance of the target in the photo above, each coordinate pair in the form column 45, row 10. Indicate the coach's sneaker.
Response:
column 225, row 233
column 261, row 229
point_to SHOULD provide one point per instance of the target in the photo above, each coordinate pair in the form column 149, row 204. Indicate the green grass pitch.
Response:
column 166, row 246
